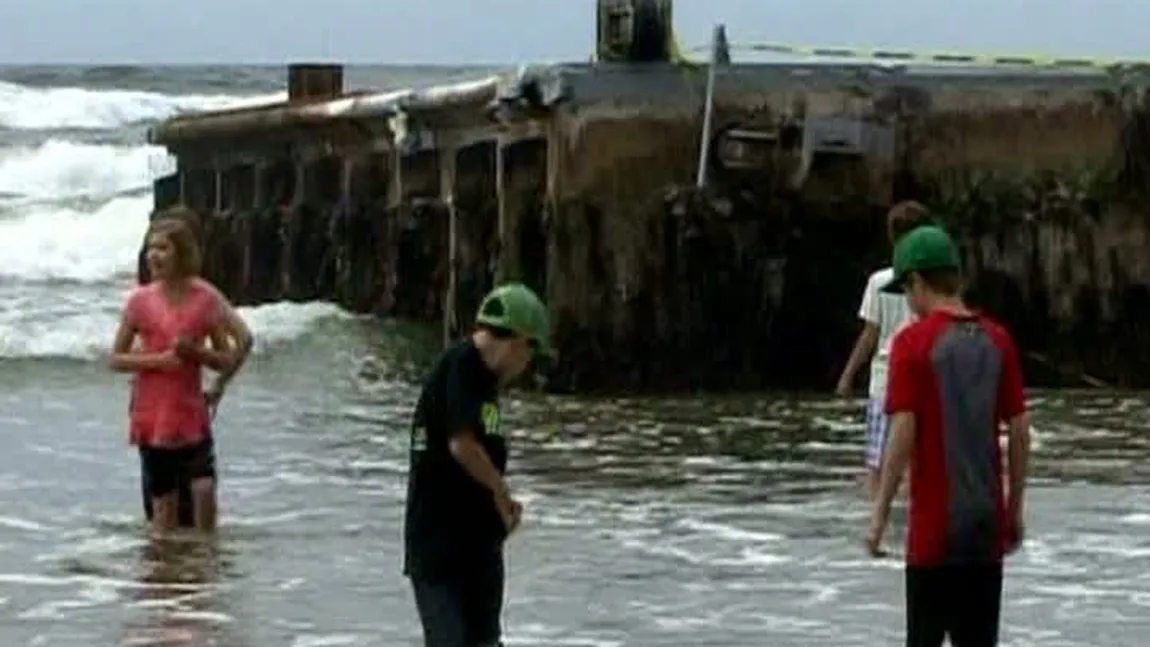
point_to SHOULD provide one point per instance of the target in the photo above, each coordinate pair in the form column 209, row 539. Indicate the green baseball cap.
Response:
column 516, row 307
column 924, row 248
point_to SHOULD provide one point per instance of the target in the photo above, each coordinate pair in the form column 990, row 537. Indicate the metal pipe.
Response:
column 365, row 106
column 708, row 109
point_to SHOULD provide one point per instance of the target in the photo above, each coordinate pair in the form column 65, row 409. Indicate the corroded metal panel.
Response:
column 314, row 81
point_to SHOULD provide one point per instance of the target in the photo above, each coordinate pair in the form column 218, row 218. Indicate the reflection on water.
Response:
column 730, row 519
column 793, row 445
column 178, row 597
column 727, row 521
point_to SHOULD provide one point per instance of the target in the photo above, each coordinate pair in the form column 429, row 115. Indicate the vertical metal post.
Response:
column 503, row 225
column 448, row 158
column 708, row 109
column 218, row 198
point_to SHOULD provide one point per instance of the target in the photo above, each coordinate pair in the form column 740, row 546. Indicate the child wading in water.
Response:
column 171, row 317
column 241, row 339
column 459, row 509
column 883, row 315
column 954, row 378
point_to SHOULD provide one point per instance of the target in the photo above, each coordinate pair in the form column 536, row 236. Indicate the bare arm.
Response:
column 1018, row 451
column 218, row 356
column 902, row 393
column 238, row 331
column 864, row 348
column 231, row 342
column 1012, row 409
column 467, row 450
column 124, row 360
column 897, row 455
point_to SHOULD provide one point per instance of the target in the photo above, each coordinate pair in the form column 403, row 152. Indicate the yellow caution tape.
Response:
column 954, row 58
column 681, row 56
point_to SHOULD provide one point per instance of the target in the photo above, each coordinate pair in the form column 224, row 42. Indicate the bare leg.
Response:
column 204, row 503
column 165, row 513
column 872, row 480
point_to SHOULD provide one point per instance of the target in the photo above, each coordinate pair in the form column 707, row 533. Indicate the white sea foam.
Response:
column 24, row 107
column 70, row 232
column 85, row 332
column 46, row 242
column 59, row 168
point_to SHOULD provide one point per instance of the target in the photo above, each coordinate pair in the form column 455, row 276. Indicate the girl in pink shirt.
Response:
column 161, row 339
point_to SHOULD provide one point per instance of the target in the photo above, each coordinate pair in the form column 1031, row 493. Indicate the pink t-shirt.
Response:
column 168, row 408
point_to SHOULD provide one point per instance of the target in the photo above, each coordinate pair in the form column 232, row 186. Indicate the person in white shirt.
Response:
column 883, row 315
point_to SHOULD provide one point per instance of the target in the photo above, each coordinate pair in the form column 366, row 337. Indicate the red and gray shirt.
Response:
column 960, row 377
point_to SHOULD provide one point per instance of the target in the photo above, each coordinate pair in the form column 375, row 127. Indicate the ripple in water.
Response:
column 677, row 521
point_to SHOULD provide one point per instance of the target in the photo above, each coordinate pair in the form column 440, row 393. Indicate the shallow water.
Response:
column 717, row 522
column 722, row 521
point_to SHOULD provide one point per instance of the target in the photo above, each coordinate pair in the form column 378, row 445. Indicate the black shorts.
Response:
column 961, row 602
column 462, row 611
column 165, row 471
column 186, row 515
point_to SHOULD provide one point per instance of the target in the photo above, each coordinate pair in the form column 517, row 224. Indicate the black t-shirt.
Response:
column 451, row 520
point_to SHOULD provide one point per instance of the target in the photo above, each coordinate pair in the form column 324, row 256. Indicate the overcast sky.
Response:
column 510, row 31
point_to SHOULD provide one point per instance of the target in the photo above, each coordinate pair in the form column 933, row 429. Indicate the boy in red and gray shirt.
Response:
column 954, row 377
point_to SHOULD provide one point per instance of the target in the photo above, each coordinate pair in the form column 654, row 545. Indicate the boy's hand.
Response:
column 874, row 535
column 843, row 388
column 187, row 349
column 510, row 511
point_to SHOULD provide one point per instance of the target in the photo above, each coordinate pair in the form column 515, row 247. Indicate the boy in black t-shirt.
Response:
column 459, row 509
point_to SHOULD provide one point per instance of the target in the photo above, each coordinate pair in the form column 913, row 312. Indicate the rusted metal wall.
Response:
column 755, row 279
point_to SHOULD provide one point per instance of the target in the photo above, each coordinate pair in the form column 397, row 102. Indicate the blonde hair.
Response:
column 178, row 225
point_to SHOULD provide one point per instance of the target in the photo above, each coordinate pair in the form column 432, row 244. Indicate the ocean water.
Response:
column 732, row 521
